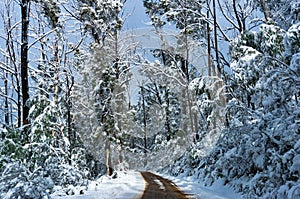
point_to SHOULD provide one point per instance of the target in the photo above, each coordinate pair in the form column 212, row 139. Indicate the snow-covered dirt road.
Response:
column 158, row 187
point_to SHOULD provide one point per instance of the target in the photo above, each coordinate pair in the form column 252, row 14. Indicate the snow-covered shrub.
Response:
column 11, row 145
column 270, row 39
column 295, row 64
column 16, row 181
column 61, row 172
column 255, row 154
column 291, row 188
column 31, row 169
column 291, row 41
column 258, row 151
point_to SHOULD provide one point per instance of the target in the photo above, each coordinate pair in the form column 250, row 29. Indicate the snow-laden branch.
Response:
column 158, row 70
column 5, row 67
column 76, row 46
column 41, row 37
column 226, row 17
column 8, row 97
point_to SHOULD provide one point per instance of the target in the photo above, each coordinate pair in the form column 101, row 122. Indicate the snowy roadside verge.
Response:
column 128, row 185
column 192, row 185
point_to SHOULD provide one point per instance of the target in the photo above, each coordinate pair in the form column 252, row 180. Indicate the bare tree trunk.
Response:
column 144, row 121
column 190, row 104
column 216, row 39
column 108, row 158
column 219, row 69
column 208, row 42
column 15, row 82
column 265, row 9
column 25, row 9
column 118, row 88
column 6, row 114
column 71, row 133
column 56, row 67
column 119, row 94
column 144, row 125
column 167, row 114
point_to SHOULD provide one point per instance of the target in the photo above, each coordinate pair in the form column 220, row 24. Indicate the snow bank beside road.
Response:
column 129, row 185
column 192, row 185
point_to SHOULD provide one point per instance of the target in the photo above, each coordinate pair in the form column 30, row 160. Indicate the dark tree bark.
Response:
column 25, row 7
column 168, row 127
column 6, row 99
column 71, row 133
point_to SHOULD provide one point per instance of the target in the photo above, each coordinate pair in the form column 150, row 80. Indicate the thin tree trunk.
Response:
column 208, row 42
column 25, row 9
column 216, row 38
column 168, row 127
column 56, row 67
column 108, row 158
column 15, row 81
column 71, row 134
column 186, row 59
column 219, row 69
column 144, row 121
column 190, row 104
column 118, row 88
column 69, row 121
column 6, row 115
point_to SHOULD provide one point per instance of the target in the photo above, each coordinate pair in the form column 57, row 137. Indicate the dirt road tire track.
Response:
column 161, row 188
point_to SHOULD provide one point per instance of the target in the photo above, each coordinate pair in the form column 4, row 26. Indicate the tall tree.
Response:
column 187, row 16
column 11, row 67
column 25, row 12
column 102, row 21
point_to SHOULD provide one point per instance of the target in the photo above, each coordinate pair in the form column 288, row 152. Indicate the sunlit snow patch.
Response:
column 160, row 184
column 129, row 185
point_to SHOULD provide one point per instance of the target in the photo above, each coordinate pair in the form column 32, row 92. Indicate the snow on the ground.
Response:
column 160, row 184
column 192, row 185
column 131, row 186
column 126, row 186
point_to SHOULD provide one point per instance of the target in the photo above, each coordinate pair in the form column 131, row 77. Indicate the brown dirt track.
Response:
column 155, row 191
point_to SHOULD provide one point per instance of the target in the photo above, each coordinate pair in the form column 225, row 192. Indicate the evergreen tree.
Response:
column 284, row 13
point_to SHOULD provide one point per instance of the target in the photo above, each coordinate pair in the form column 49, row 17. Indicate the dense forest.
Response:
column 80, row 99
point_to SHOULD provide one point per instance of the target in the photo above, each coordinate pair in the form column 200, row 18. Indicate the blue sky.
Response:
column 135, row 14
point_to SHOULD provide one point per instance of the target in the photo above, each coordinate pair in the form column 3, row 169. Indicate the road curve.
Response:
column 158, row 187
